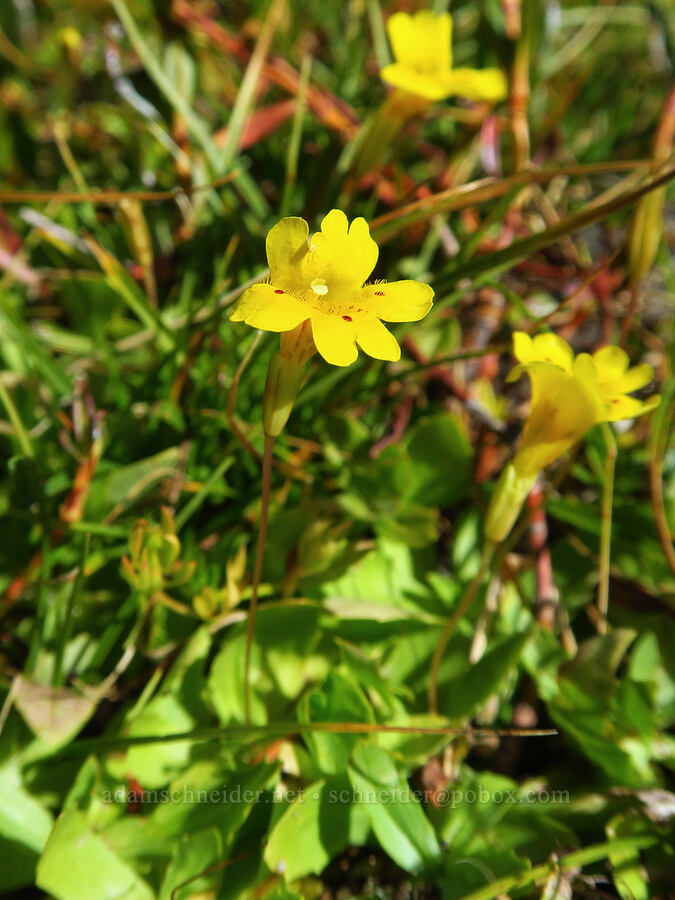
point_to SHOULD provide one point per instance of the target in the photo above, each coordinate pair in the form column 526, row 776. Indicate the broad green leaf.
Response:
column 318, row 825
column 395, row 814
column 460, row 697
column 154, row 765
column 78, row 865
column 24, row 828
column 339, row 699
column 285, row 657
column 441, row 454
column 194, row 853
column 207, row 795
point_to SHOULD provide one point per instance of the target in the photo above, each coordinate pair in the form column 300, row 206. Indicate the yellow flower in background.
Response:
column 322, row 281
column 421, row 44
column 569, row 396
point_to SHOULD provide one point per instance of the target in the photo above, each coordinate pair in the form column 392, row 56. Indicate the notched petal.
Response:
column 286, row 247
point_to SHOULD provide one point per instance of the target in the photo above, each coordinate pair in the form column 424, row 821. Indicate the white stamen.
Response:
column 320, row 287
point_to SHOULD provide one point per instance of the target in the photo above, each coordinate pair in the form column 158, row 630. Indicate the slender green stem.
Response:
column 246, row 94
column 277, row 729
column 66, row 624
column 459, row 613
column 296, row 136
column 154, row 68
column 584, row 857
column 196, row 501
column 19, row 431
column 37, row 636
column 257, row 569
column 606, row 533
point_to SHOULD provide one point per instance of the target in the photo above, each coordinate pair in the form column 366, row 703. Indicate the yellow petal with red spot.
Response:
column 335, row 338
column 622, row 407
column 398, row 301
column 269, row 308
column 375, row 339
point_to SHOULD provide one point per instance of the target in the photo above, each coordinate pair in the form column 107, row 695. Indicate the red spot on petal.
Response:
column 278, row 291
column 347, row 318
column 379, row 293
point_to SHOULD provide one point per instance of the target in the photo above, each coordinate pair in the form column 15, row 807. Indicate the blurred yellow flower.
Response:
column 321, row 281
column 421, row 44
column 569, row 396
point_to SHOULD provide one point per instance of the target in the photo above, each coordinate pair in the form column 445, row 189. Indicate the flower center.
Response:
column 319, row 287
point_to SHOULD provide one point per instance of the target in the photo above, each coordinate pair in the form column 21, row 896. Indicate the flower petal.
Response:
column 564, row 407
column 287, row 248
column 523, row 348
column 430, row 86
column 544, row 348
column 345, row 254
column 629, row 408
column 610, row 362
column 375, row 339
column 334, row 338
column 398, row 301
column 270, row 308
column 634, row 379
column 475, row 84
column 422, row 41
column 553, row 349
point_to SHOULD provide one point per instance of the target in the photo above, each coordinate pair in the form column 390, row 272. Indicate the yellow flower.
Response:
column 321, row 281
column 423, row 61
column 569, row 396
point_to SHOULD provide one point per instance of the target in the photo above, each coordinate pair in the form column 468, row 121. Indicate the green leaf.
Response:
column 77, row 865
column 154, row 765
column 339, row 699
column 284, row 658
column 629, row 874
column 315, row 828
column 195, row 853
column 24, row 828
column 461, row 697
column 441, row 456
column 395, row 814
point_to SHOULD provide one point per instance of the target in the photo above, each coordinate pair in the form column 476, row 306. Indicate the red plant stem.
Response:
column 547, row 594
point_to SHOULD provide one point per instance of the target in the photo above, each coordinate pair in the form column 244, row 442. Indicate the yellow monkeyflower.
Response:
column 569, row 396
column 322, row 281
column 423, row 61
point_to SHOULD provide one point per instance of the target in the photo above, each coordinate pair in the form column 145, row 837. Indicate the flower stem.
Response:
column 453, row 621
column 19, row 431
column 606, row 533
column 260, row 550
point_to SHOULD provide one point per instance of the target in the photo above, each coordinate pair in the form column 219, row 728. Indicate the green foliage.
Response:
column 130, row 487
